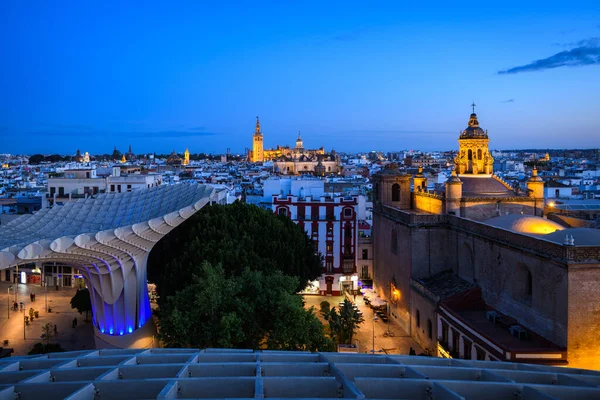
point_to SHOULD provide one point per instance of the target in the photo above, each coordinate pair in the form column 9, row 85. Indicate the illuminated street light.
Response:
column 373, row 326
column 8, row 301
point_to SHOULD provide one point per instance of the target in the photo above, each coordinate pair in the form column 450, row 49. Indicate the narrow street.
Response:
column 400, row 343
column 62, row 315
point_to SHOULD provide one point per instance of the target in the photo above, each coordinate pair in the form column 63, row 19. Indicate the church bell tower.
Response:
column 257, row 154
column 474, row 156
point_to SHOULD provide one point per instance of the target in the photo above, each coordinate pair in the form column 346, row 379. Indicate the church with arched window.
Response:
column 473, row 270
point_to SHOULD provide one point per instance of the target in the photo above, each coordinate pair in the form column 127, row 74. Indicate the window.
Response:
column 129, row 188
column 395, row 192
column 479, row 157
column 112, row 188
column 365, row 272
column 470, row 155
column 445, row 333
column 349, row 232
column 282, row 212
column 330, row 230
column 480, row 353
column 467, row 349
column 347, row 212
column 394, row 242
column 329, row 248
column 429, row 329
column 418, row 319
column 329, row 266
column 365, row 254
column 301, row 212
column 455, row 341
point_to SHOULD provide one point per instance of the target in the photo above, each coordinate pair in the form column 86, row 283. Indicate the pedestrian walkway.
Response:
column 14, row 329
column 371, row 334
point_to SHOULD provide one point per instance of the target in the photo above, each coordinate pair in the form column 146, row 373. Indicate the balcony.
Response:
column 348, row 266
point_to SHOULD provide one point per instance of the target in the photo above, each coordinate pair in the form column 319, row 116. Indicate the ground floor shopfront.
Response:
column 49, row 274
column 333, row 285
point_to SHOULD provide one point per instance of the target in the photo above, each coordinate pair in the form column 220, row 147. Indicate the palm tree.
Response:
column 343, row 325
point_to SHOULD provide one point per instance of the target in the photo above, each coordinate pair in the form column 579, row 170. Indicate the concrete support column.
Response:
column 120, row 300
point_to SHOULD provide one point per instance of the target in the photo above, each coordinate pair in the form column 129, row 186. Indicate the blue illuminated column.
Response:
column 120, row 302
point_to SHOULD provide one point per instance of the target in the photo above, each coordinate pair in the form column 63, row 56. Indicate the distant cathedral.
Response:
column 259, row 154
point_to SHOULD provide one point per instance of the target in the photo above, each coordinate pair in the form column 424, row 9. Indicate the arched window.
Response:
column 395, row 192
column 418, row 318
column 470, row 154
column 282, row 212
column 429, row 329
column 479, row 157
column 394, row 242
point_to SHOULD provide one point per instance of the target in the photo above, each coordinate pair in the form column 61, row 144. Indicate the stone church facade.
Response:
column 474, row 272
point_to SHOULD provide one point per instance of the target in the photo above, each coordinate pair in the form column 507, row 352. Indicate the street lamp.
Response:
column 373, row 326
column 8, row 301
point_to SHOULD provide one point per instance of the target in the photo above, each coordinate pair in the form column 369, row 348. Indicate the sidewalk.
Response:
column 62, row 315
column 400, row 343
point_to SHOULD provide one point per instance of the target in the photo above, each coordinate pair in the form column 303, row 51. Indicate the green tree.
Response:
column 48, row 333
column 36, row 159
column 254, row 309
column 343, row 323
column 82, row 302
column 236, row 236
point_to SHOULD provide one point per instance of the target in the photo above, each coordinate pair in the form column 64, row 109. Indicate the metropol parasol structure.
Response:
column 108, row 238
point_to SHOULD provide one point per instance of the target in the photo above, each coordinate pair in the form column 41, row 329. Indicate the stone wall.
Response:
column 425, row 303
column 584, row 316
column 426, row 202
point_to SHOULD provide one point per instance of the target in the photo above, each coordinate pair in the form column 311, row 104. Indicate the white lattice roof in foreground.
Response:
column 105, row 211
column 108, row 239
column 216, row 373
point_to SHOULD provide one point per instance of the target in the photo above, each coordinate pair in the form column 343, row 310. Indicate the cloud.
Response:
column 508, row 101
column 588, row 53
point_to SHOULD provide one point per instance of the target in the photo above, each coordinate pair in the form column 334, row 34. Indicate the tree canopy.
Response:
column 255, row 309
column 237, row 236
column 82, row 302
column 229, row 277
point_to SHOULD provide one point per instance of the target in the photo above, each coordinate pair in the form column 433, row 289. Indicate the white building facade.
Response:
column 331, row 223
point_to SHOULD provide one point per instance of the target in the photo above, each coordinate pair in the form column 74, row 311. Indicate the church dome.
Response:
column 527, row 224
column 473, row 131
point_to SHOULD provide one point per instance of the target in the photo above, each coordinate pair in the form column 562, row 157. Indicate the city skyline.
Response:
column 348, row 77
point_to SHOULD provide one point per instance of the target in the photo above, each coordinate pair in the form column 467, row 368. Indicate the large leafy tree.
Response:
column 82, row 302
column 255, row 309
column 238, row 237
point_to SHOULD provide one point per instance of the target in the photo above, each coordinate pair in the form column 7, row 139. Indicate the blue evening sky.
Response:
column 353, row 76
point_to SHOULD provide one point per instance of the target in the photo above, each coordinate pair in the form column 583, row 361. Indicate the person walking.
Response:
column 55, row 330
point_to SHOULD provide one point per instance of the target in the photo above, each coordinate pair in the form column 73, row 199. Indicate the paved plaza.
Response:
column 400, row 343
column 62, row 315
